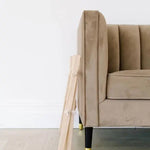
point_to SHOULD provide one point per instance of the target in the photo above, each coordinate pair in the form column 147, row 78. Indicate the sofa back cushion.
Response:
column 128, row 47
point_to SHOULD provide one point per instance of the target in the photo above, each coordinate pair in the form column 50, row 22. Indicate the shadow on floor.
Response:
column 115, row 139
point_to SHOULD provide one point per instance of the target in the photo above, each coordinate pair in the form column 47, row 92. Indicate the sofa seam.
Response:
column 98, row 70
column 84, row 26
column 128, row 76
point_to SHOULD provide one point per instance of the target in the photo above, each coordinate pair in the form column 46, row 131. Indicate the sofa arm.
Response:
column 93, row 49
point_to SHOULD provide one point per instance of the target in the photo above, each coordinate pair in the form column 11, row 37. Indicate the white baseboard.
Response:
column 33, row 114
column 30, row 114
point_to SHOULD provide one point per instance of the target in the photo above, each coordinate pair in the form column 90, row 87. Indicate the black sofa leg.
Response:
column 88, row 138
column 80, row 124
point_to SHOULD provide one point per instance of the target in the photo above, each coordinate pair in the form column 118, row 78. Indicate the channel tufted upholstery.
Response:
column 114, row 77
column 129, row 47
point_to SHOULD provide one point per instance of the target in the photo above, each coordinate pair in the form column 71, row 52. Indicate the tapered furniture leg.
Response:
column 80, row 124
column 88, row 138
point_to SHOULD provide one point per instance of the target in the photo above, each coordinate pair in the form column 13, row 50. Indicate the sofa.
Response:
column 114, row 75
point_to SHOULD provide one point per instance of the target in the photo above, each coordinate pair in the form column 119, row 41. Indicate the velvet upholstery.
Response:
column 129, row 84
column 145, row 46
column 114, row 48
column 112, row 72
column 127, row 43
column 129, row 113
column 92, row 46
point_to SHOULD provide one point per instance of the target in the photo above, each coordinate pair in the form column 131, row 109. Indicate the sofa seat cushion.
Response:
column 124, row 113
column 129, row 84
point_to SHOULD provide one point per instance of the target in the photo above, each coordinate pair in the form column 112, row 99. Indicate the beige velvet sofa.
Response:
column 114, row 76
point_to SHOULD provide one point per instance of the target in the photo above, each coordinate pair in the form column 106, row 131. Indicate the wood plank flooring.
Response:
column 47, row 139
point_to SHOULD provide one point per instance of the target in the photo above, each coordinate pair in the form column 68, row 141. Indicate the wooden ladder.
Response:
column 66, row 126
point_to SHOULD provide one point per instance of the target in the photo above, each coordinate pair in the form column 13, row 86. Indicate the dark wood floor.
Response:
column 115, row 139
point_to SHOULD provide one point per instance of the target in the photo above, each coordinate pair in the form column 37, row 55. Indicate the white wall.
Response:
column 37, row 37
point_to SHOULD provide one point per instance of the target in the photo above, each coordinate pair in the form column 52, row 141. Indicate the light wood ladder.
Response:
column 66, row 127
